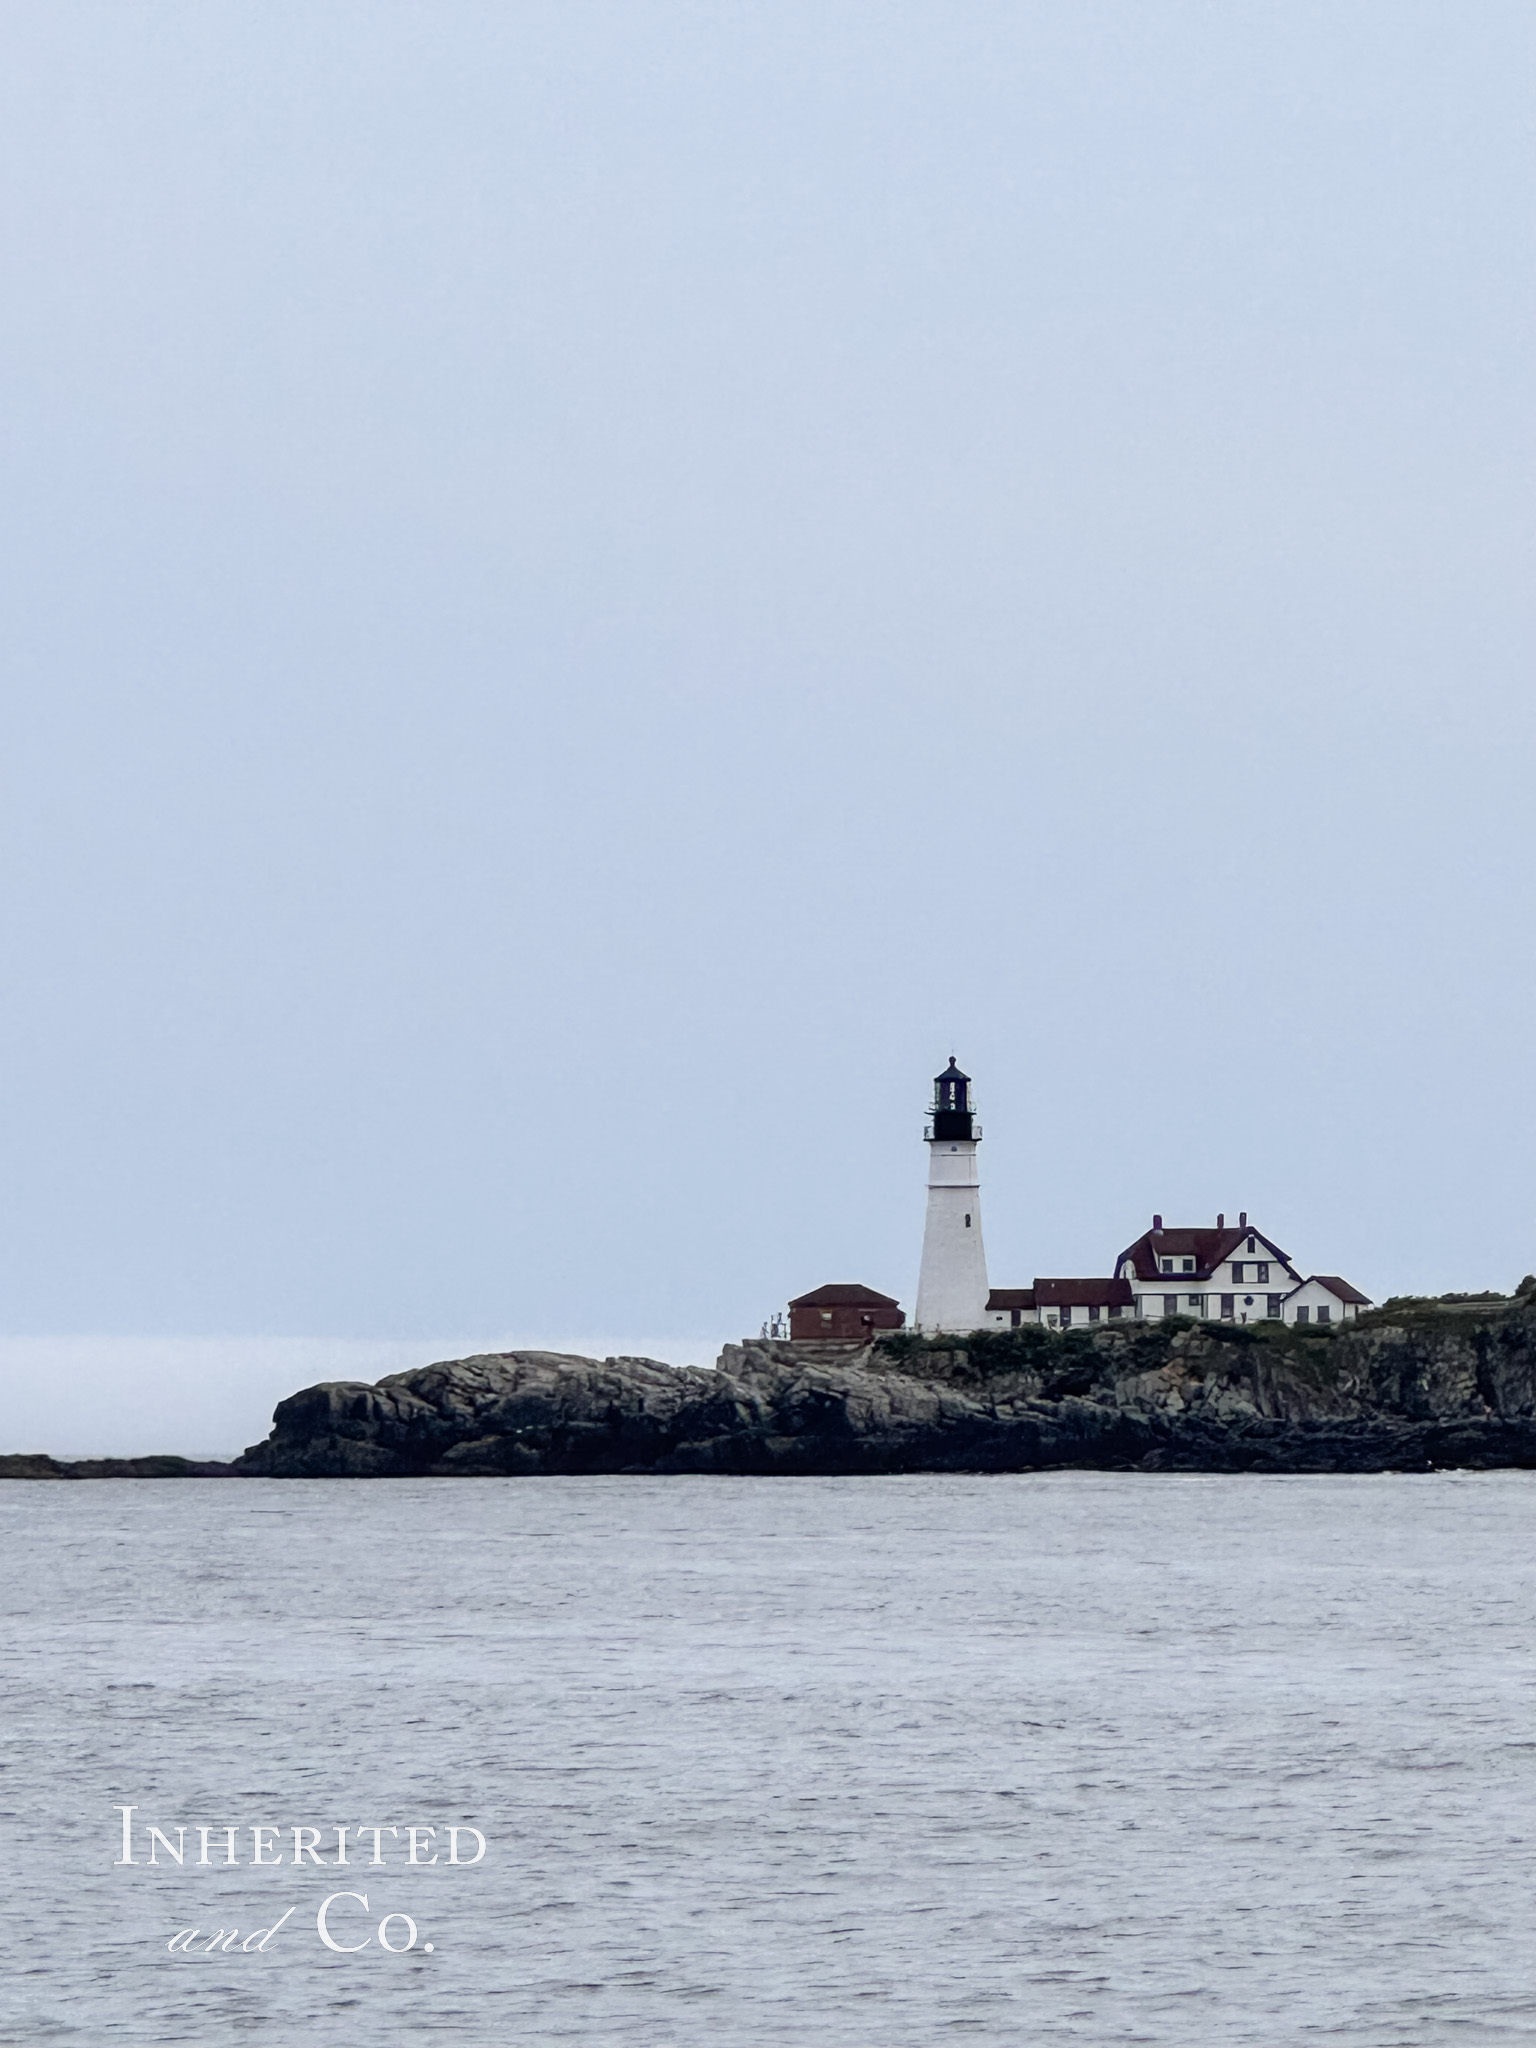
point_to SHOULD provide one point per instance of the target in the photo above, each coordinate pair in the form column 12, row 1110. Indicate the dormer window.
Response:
column 1167, row 1265
column 1189, row 1265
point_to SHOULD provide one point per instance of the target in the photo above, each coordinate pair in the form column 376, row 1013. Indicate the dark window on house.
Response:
column 1013, row 1317
column 1253, row 1244
column 1167, row 1265
column 1273, row 1307
column 1170, row 1304
column 1116, row 1308
column 1303, row 1315
column 1228, row 1307
column 1262, row 1276
column 1325, row 1315
column 1197, row 1303
column 1066, row 1317
column 1237, row 1271
column 1189, row 1265
column 967, row 1221
column 1093, row 1315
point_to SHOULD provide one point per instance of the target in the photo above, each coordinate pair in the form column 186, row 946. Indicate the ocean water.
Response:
column 1077, row 1758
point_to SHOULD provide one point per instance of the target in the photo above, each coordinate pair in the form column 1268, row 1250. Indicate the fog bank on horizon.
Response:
column 592, row 589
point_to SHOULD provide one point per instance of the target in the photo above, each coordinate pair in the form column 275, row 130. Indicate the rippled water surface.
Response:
column 1079, row 1758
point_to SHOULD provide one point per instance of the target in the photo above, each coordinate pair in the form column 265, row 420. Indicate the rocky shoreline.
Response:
column 1433, row 1384
column 1416, row 1386
column 38, row 1465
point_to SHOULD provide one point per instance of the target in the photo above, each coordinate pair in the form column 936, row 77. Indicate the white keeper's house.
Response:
column 1231, row 1273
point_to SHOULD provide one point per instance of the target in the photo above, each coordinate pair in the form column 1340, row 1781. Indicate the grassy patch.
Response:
column 1401, row 1305
column 990, row 1354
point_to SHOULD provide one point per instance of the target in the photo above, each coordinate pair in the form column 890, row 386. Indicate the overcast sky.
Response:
column 591, row 589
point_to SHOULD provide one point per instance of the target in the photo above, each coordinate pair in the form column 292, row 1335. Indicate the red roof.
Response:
column 1064, row 1294
column 1208, row 1248
column 1083, row 1293
column 1340, row 1288
column 844, row 1294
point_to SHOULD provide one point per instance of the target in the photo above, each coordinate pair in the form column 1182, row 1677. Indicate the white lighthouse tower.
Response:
column 952, row 1282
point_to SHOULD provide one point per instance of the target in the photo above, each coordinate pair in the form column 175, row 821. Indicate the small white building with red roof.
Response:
column 1060, row 1304
column 1325, row 1298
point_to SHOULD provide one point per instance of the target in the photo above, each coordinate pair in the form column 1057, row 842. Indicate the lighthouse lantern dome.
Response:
column 953, row 1108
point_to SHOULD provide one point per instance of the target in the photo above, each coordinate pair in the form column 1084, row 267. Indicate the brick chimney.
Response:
column 1157, row 1222
column 1242, row 1219
column 1221, row 1220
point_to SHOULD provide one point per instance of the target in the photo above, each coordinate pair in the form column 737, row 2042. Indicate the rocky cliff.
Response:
column 1414, row 1386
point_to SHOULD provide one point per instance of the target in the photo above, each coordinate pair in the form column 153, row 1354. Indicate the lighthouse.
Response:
column 952, row 1282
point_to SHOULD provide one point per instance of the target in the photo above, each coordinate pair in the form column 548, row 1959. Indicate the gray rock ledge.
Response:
column 1413, row 1387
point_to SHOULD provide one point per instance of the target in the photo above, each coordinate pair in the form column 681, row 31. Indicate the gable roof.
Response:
column 843, row 1294
column 1337, row 1287
column 1208, row 1248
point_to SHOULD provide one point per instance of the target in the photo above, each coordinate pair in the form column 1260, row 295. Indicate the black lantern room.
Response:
column 953, row 1111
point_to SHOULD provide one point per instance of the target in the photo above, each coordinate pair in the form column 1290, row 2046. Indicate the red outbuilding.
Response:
column 843, row 1311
